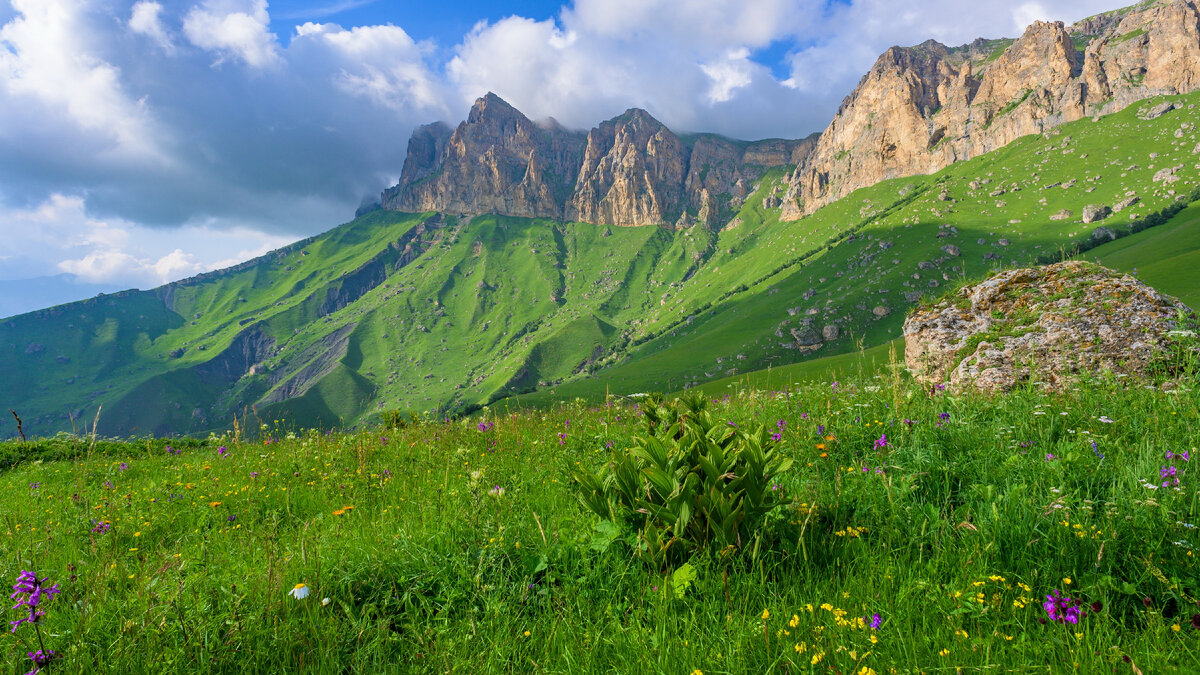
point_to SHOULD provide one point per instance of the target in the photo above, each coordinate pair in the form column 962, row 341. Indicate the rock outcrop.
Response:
column 630, row 170
column 1043, row 325
column 922, row 108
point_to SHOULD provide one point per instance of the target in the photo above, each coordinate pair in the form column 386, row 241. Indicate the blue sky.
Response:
column 148, row 140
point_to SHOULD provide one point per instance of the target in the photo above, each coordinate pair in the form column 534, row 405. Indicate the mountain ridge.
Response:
column 627, row 171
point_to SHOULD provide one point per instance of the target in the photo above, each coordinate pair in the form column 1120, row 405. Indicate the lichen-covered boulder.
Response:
column 1042, row 325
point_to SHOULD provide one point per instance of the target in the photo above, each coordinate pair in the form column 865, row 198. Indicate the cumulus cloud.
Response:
column 144, row 19
column 237, row 28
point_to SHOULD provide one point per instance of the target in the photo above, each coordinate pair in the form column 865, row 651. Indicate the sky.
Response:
column 144, row 141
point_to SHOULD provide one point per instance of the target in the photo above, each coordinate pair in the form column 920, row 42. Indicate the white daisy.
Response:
column 299, row 592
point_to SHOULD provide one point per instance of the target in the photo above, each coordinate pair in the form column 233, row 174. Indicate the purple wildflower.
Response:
column 881, row 442
column 874, row 621
column 100, row 526
column 776, row 437
column 945, row 416
column 40, row 660
column 29, row 592
column 780, row 425
column 1062, row 609
column 232, row 517
column 820, row 429
column 222, row 451
column 34, row 486
column 124, row 466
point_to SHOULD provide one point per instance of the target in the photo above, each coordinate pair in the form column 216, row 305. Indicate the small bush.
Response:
column 689, row 483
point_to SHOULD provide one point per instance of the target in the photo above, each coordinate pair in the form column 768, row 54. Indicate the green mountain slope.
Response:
column 429, row 312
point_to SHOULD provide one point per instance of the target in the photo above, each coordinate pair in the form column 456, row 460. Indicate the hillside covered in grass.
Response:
column 917, row 532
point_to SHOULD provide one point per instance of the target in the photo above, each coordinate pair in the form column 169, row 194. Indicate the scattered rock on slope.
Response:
column 1043, row 325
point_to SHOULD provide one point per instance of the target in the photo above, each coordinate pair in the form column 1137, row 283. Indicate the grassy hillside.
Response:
column 922, row 534
column 421, row 312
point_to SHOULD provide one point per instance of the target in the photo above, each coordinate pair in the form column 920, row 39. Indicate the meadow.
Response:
column 920, row 531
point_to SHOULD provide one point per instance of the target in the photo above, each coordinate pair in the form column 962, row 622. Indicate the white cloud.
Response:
column 59, row 235
column 144, row 19
column 236, row 28
column 49, row 68
column 728, row 74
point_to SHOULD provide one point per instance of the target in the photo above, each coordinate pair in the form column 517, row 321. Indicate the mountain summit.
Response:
column 923, row 108
column 630, row 170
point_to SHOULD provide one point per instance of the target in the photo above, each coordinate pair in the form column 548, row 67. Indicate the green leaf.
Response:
column 605, row 533
column 682, row 578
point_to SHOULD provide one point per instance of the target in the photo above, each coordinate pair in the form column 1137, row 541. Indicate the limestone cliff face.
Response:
column 498, row 161
column 632, row 173
column 630, row 170
column 922, row 108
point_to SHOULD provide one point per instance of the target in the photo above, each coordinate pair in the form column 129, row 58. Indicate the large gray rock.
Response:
column 1094, row 213
column 1044, row 325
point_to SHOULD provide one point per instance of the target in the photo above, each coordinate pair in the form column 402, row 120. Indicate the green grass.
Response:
column 952, row 532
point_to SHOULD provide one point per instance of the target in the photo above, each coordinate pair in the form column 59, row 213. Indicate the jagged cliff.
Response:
column 922, row 108
column 630, row 170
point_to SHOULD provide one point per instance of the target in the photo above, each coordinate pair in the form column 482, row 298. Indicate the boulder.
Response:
column 1043, row 325
column 831, row 332
column 1155, row 111
column 1103, row 234
column 1125, row 203
column 1094, row 213
column 1061, row 215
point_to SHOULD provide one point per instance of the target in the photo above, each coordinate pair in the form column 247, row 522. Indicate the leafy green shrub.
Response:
column 689, row 483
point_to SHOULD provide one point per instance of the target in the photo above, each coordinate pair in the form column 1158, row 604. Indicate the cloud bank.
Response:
column 149, row 140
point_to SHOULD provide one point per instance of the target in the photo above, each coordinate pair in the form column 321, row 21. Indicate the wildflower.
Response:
column 945, row 416
column 299, row 591
column 881, row 442
column 222, row 451
column 765, row 615
column 34, row 486
column 40, row 660
column 944, row 652
column 1062, row 609
column 1105, row 419
column 232, row 517
column 496, row 492
column 875, row 621
column 325, row 602
column 33, row 589
column 124, row 466
column 101, row 526
column 776, row 437
column 796, row 621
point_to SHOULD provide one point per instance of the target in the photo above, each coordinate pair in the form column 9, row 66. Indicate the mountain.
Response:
column 630, row 170
column 445, row 301
column 922, row 108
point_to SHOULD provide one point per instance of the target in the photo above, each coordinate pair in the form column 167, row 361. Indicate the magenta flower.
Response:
column 881, row 442
column 1062, row 609
column 40, row 660
column 222, row 451
column 874, row 621
column 29, row 592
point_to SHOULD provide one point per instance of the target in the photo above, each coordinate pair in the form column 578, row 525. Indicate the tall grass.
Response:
column 461, row 546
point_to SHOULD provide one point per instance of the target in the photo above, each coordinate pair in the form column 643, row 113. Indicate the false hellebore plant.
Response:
column 689, row 482
column 31, row 592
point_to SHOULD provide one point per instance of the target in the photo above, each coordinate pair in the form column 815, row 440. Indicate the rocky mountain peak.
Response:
column 629, row 170
column 924, row 107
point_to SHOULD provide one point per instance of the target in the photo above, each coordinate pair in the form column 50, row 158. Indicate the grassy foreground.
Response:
column 461, row 547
